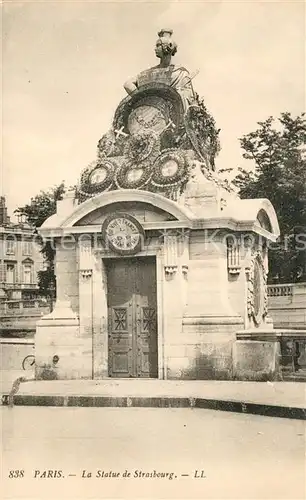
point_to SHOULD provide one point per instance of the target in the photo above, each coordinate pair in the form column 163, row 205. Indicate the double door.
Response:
column 132, row 317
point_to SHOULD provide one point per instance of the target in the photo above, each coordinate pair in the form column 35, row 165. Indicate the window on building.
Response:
column 21, row 218
column 27, row 273
column 29, row 295
column 27, row 248
column 10, row 273
column 10, row 246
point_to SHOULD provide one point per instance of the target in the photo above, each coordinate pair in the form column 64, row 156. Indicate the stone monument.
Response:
column 160, row 266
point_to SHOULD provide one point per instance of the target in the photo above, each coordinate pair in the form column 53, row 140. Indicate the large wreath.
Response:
column 122, row 176
column 142, row 145
column 181, row 174
column 105, row 164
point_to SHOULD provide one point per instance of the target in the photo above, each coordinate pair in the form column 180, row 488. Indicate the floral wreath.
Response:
column 141, row 145
column 106, row 145
column 121, row 176
column 178, row 177
column 109, row 145
column 87, row 187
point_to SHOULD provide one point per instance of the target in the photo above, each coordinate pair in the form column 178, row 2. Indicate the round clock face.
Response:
column 146, row 117
column 122, row 233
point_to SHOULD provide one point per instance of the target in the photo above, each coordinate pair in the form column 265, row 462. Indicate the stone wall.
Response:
column 66, row 270
column 204, row 348
column 14, row 351
column 287, row 305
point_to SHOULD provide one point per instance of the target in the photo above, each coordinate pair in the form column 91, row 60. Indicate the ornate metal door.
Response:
column 132, row 339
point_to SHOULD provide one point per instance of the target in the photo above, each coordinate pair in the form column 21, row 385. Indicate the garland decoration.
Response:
column 202, row 131
column 257, row 296
column 171, row 157
column 142, row 145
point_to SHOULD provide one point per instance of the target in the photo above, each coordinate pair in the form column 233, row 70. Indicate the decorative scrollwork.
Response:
column 120, row 319
column 149, row 319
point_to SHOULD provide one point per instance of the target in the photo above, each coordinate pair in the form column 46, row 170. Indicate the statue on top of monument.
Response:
column 166, row 73
column 159, row 131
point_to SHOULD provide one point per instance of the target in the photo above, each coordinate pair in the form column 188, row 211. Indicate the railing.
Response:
column 280, row 290
column 287, row 305
column 16, row 283
column 11, row 306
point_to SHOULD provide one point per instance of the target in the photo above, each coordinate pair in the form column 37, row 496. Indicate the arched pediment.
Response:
column 27, row 260
column 259, row 212
column 90, row 212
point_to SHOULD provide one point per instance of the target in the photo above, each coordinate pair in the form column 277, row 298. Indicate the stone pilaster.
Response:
column 85, row 286
column 100, row 318
column 175, row 252
column 208, row 289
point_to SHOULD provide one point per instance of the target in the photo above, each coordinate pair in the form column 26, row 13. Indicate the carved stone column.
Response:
column 100, row 318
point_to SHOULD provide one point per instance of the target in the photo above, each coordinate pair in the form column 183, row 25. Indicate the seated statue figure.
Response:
column 165, row 72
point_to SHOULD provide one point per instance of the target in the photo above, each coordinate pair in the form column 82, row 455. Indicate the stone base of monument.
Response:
column 256, row 356
column 204, row 350
column 60, row 352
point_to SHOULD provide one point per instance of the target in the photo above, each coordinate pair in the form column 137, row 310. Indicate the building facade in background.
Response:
column 20, row 261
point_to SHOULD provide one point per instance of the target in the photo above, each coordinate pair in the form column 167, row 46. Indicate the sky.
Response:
column 64, row 65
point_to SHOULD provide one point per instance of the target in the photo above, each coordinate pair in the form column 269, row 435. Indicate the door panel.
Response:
column 132, row 316
column 147, row 343
column 120, row 353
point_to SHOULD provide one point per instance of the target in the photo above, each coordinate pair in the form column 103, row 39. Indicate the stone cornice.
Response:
column 238, row 215
column 213, row 223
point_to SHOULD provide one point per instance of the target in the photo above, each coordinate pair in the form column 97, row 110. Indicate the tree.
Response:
column 276, row 149
column 35, row 213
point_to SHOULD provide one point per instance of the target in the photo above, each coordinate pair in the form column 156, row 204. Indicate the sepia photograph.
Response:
column 153, row 250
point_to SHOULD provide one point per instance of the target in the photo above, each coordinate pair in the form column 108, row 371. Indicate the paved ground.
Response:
column 242, row 456
column 289, row 394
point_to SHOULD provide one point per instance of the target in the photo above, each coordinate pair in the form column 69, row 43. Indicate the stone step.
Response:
column 299, row 376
